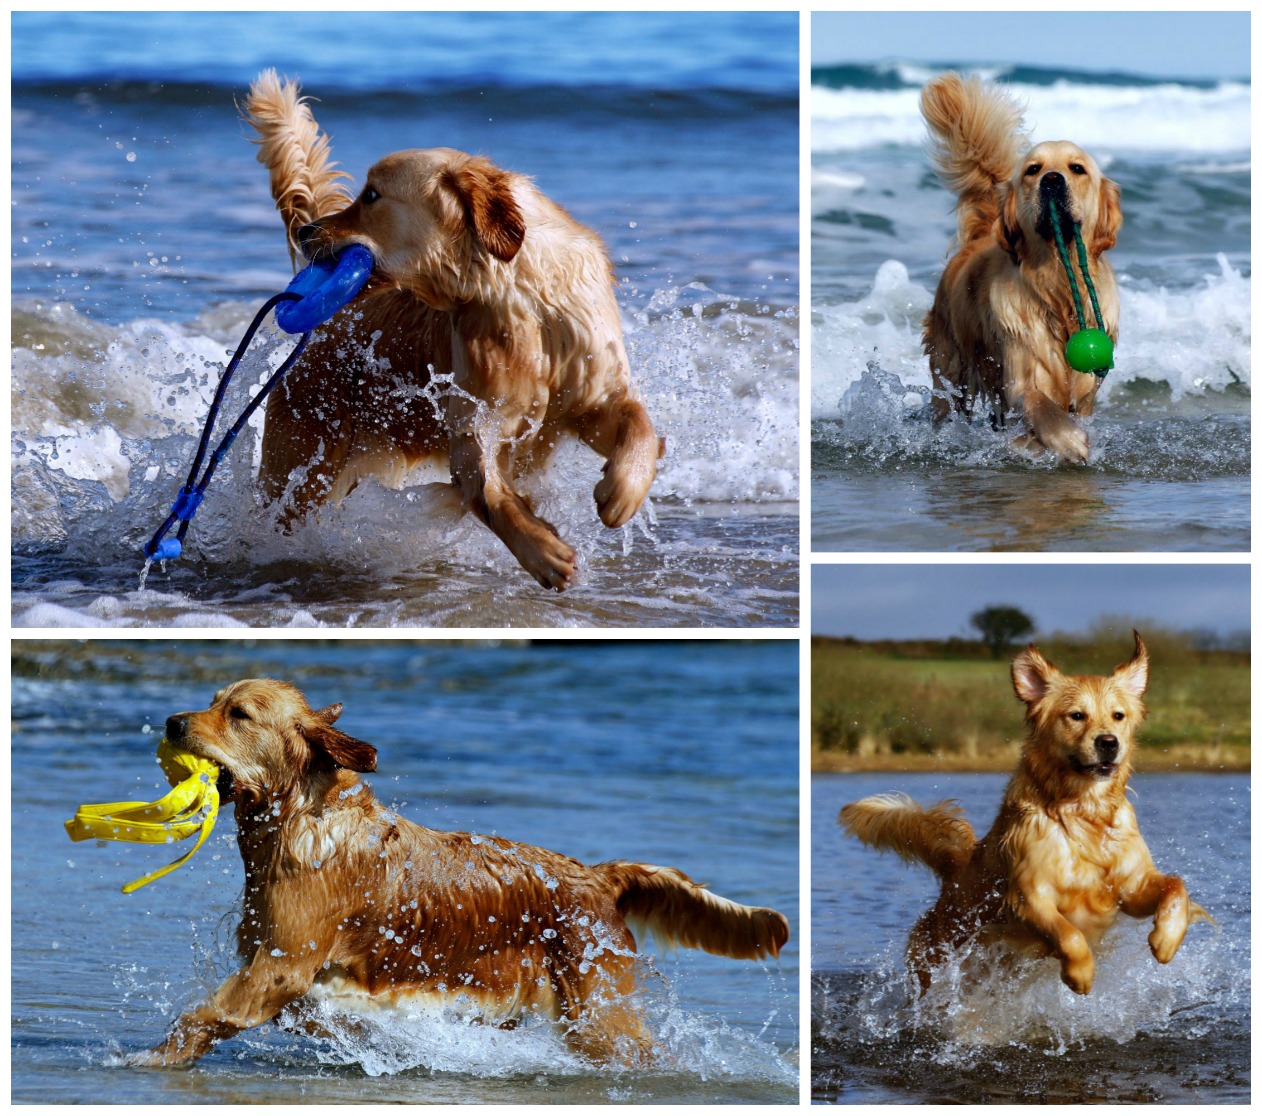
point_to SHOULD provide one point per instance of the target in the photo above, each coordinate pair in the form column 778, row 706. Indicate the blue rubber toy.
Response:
column 325, row 287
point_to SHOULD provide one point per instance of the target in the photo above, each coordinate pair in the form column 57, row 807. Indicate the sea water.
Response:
column 145, row 239
column 1169, row 468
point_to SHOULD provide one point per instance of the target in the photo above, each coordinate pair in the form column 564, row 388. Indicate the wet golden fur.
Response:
column 496, row 926
column 478, row 277
column 1064, row 856
column 1003, row 311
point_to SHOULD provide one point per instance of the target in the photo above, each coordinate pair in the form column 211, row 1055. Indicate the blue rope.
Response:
column 190, row 496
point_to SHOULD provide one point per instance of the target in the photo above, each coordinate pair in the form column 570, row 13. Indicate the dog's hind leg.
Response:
column 622, row 433
column 602, row 1021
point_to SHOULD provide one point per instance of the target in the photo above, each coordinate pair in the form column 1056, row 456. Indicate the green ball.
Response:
column 1089, row 350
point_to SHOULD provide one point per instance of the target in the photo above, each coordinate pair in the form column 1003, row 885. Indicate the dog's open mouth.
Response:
column 225, row 785
column 1095, row 770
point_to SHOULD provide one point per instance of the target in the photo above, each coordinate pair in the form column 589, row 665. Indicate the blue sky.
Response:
column 935, row 601
column 1156, row 44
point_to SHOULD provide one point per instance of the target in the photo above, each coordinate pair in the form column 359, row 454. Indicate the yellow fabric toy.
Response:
column 192, row 804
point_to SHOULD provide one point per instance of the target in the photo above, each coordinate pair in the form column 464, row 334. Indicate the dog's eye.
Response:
column 1032, row 169
column 238, row 714
column 1119, row 716
column 1077, row 168
column 1077, row 715
column 369, row 195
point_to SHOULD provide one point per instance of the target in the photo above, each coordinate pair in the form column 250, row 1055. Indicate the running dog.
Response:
column 1065, row 856
column 1003, row 310
column 346, row 900
column 487, row 331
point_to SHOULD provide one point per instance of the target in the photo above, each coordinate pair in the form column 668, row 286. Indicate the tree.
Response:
column 1000, row 626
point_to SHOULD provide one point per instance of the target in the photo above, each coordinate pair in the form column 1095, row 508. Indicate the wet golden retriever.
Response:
column 1064, row 857
column 346, row 900
column 488, row 330
column 1003, row 310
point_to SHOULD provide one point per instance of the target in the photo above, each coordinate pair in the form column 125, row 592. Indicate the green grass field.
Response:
column 926, row 704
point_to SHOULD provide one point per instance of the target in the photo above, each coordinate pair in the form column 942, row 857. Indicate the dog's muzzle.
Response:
column 1106, row 752
column 177, row 734
column 1054, row 197
column 313, row 243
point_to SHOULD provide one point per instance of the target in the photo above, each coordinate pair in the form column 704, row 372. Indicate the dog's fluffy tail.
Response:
column 976, row 141
column 678, row 912
column 305, row 183
column 938, row 835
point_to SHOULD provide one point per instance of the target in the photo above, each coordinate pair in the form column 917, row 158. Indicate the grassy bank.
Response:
column 948, row 705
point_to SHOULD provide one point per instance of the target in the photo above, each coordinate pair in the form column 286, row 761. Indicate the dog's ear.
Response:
column 1032, row 675
column 342, row 750
column 1007, row 230
column 1133, row 676
column 329, row 713
column 1109, row 220
column 490, row 208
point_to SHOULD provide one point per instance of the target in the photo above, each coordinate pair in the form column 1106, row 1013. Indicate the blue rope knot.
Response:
column 186, row 502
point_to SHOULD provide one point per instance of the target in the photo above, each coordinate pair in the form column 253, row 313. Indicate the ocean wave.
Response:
column 899, row 73
column 1164, row 116
column 105, row 420
column 488, row 96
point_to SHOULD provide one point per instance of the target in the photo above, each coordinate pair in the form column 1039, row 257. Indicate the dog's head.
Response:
column 434, row 220
column 267, row 740
column 1059, row 177
column 1081, row 728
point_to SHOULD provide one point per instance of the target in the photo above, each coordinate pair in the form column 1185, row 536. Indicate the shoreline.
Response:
column 1201, row 759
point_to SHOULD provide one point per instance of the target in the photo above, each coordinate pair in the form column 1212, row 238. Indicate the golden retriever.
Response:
column 345, row 899
column 1064, row 856
column 1003, row 310
column 488, row 330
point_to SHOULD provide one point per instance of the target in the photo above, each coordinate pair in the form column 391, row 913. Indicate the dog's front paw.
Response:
column 149, row 1058
column 551, row 561
column 618, row 498
column 1059, row 434
column 1079, row 975
column 1167, row 935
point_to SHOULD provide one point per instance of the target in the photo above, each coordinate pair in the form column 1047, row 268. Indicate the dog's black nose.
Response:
column 307, row 238
column 177, row 726
column 1106, row 748
column 1052, row 180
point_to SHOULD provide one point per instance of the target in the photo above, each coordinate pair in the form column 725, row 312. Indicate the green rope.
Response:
column 1063, row 253
column 1086, row 275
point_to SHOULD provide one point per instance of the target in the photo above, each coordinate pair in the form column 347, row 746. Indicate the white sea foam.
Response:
column 720, row 384
column 1101, row 117
column 1192, row 342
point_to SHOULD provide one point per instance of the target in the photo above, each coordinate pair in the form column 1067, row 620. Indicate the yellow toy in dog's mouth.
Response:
column 192, row 805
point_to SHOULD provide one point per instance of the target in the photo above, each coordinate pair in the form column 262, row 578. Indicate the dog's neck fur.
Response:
column 263, row 816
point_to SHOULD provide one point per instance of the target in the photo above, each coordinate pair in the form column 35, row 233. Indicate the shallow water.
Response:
column 125, row 310
column 680, row 754
column 1178, row 1033
column 1171, row 433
